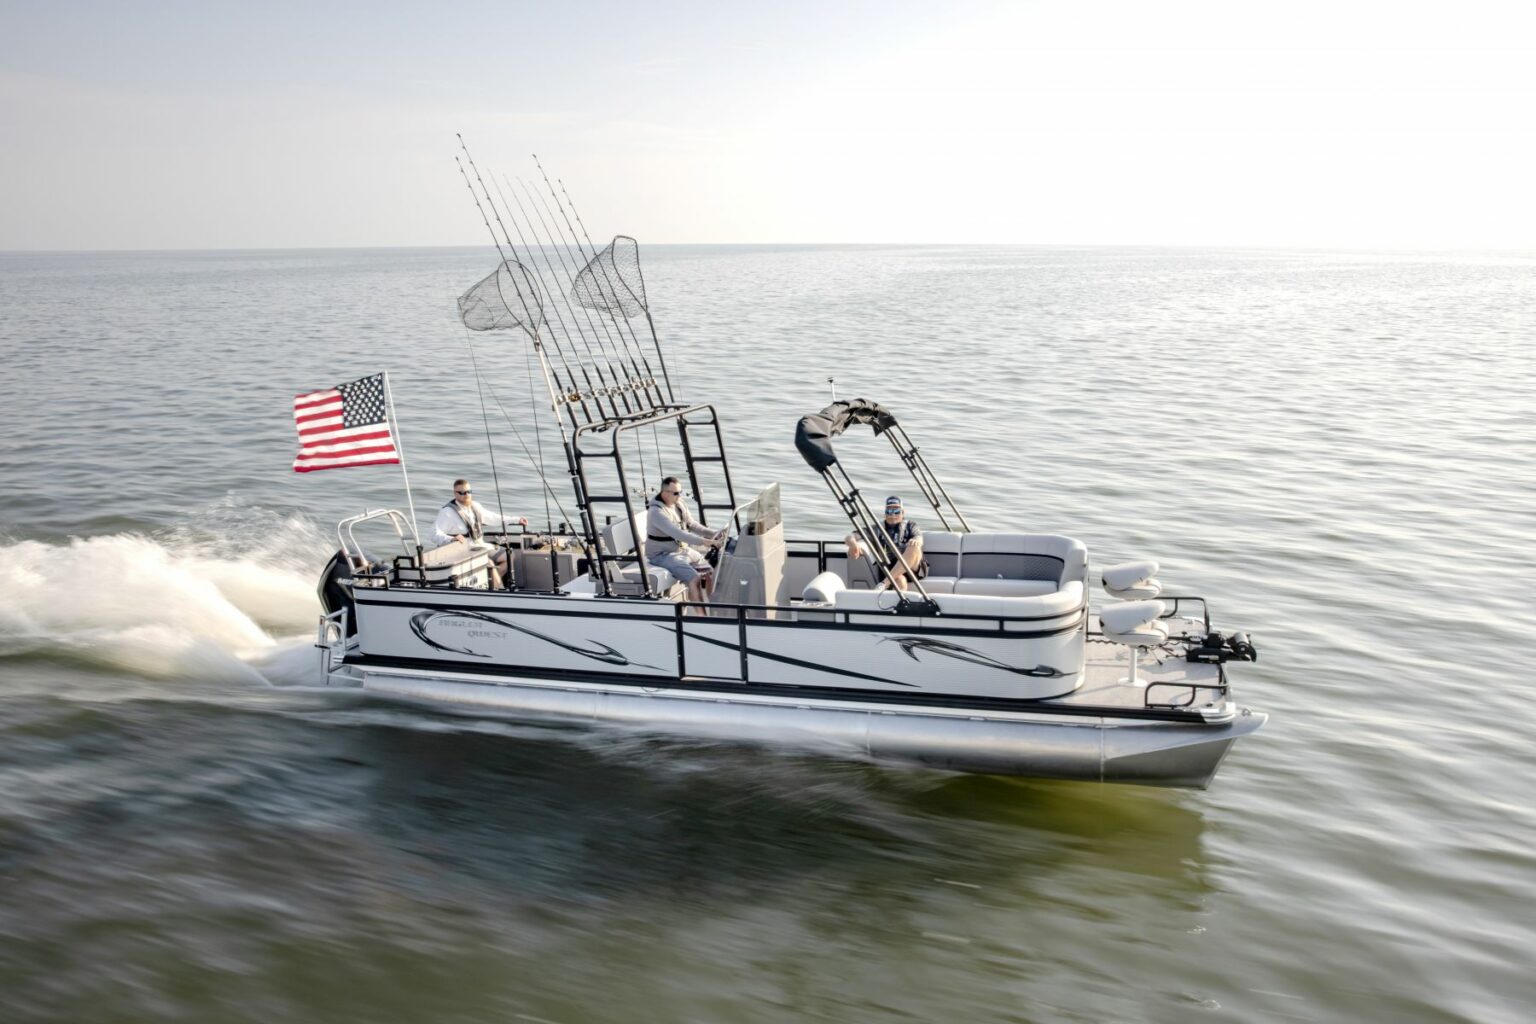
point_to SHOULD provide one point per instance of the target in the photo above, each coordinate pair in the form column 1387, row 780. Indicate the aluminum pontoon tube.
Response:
column 1089, row 749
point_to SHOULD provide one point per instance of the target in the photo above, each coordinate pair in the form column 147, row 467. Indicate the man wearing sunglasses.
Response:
column 464, row 518
column 672, row 536
column 905, row 536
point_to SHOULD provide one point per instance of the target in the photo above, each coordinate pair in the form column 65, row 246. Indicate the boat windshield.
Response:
column 761, row 514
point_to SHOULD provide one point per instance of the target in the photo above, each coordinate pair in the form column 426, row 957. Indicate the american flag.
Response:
column 343, row 426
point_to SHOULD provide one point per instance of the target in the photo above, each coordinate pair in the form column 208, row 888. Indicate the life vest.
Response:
column 474, row 522
column 901, row 534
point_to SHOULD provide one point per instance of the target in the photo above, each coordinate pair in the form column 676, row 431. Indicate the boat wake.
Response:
column 172, row 605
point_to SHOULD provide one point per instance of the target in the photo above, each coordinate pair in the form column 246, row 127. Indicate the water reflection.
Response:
column 594, row 814
column 264, row 851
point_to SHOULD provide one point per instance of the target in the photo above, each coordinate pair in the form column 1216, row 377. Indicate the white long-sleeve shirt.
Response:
column 450, row 525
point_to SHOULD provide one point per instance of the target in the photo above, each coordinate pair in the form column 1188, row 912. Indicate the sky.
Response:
column 218, row 125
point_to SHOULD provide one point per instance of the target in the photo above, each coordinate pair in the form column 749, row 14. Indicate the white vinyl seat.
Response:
column 1022, row 556
column 619, row 539
column 459, row 563
column 1132, row 581
column 1002, row 587
column 942, row 553
column 1041, row 576
column 457, row 550
column 1056, row 610
column 1137, row 625
column 823, row 588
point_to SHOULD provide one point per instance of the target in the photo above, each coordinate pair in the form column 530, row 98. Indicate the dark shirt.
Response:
column 902, row 533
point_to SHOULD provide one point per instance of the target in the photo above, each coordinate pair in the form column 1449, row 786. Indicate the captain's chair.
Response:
column 1132, row 581
column 619, row 539
column 1137, row 625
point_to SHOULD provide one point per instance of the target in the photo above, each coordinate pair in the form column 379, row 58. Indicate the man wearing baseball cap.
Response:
column 905, row 536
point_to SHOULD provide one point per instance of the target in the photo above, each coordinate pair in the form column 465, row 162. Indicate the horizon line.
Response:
column 1254, row 246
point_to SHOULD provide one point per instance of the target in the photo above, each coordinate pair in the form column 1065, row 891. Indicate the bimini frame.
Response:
column 813, row 437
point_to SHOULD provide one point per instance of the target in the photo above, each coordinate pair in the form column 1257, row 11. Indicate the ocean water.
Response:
column 1338, row 449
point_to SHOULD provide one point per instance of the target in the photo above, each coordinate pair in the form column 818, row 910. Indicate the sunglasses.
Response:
column 470, row 491
column 893, row 510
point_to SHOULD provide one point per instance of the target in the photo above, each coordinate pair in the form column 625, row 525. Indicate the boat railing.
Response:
column 346, row 537
column 1171, row 694
column 1175, row 607
column 331, row 639
column 1183, row 694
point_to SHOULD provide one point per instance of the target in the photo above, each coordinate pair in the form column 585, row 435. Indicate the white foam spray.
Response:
column 183, row 604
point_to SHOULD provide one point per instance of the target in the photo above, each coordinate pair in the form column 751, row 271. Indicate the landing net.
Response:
column 502, row 300
column 611, row 281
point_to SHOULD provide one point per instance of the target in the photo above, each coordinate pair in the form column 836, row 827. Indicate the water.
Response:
column 1336, row 448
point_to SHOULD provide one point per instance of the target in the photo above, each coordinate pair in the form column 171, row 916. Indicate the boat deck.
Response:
column 1165, row 677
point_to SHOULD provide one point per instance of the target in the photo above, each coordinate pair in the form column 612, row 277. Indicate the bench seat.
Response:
column 459, row 563
column 987, row 587
column 1059, row 608
column 1006, row 556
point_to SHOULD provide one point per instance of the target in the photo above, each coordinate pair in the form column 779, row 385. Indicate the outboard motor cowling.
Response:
column 334, row 594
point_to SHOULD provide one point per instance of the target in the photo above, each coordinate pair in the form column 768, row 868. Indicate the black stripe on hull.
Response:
column 582, row 608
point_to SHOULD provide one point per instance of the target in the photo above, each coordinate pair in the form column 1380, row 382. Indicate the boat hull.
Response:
column 1083, row 747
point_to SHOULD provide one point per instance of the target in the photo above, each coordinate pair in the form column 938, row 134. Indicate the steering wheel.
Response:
column 712, row 556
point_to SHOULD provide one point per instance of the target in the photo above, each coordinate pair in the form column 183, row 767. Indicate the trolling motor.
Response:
column 1215, row 649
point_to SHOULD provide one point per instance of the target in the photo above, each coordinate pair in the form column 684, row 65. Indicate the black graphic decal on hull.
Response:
column 602, row 652
column 913, row 644
column 786, row 660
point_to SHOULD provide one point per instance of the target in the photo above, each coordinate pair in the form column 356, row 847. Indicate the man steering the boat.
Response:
column 905, row 536
column 464, row 518
column 672, row 537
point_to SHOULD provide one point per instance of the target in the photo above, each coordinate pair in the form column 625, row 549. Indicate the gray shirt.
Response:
column 669, row 529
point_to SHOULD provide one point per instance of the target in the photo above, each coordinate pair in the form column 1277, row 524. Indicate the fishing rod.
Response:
column 485, row 418
column 538, row 436
column 527, row 315
column 611, row 298
column 639, row 377
column 573, row 395
column 475, row 364
column 628, row 372
column 645, row 307
column 573, row 388
column 543, row 247
column 612, row 304
column 547, row 243
column 539, row 464
column 632, row 398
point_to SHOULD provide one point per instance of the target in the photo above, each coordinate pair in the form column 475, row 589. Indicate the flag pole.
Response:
column 389, row 401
